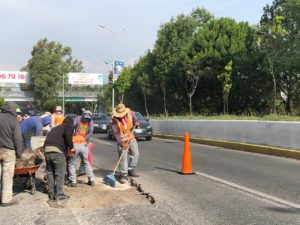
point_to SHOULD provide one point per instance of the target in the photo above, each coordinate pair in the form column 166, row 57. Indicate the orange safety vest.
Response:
column 79, row 137
column 58, row 119
column 125, row 129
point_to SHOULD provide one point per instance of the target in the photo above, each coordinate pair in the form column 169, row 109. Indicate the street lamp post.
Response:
column 63, row 95
column 114, row 33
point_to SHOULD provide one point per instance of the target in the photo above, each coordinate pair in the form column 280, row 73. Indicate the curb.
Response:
column 261, row 149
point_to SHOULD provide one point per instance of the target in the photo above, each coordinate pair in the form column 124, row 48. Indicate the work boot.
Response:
column 13, row 202
column 132, row 173
column 91, row 183
column 72, row 184
column 123, row 179
column 51, row 197
column 62, row 197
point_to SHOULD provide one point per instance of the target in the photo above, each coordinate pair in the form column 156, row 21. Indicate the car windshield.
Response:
column 99, row 117
column 139, row 116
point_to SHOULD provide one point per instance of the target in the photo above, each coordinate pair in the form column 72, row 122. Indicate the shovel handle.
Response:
column 121, row 156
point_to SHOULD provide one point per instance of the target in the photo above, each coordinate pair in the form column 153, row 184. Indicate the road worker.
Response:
column 123, row 123
column 58, row 116
column 10, row 149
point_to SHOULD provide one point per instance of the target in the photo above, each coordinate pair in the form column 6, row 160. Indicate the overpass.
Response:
column 70, row 96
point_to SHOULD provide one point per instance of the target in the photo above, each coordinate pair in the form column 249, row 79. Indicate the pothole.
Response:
column 100, row 195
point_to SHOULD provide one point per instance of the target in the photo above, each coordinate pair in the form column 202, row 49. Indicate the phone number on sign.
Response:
column 12, row 76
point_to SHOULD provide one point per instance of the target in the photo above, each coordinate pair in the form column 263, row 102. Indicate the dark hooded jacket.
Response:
column 10, row 129
column 61, row 135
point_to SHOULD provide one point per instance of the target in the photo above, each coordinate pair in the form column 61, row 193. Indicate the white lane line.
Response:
column 251, row 191
column 104, row 142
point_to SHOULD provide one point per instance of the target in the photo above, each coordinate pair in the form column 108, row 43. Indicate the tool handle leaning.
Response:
column 121, row 156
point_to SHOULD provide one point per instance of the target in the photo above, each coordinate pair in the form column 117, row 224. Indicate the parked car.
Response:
column 100, row 122
column 143, row 131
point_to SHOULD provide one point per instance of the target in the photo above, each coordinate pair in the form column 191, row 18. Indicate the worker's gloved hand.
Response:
column 125, row 145
column 71, row 152
column 136, row 124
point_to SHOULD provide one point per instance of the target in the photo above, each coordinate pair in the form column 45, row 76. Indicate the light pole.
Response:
column 114, row 33
column 63, row 94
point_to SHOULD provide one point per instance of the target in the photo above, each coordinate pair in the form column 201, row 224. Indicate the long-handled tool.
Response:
column 110, row 179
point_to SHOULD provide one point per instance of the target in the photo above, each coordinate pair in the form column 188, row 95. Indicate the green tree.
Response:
column 1, row 102
column 282, row 19
column 105, row 97
column 272, row 36
column 225, row 78
column 49, row 64
column 251, row 92
column 142, row 73
column 191, row 60
column 123, row 83
column 216, row 44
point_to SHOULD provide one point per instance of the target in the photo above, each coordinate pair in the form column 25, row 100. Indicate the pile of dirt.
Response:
column 99, row 196
column 28, row 158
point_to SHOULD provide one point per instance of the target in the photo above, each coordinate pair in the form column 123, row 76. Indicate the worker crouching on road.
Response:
column 84, row 127
column 33, row 126
column 58, row 144
column 10, row 148
column 123, row 123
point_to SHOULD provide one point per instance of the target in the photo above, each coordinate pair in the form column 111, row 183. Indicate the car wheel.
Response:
column 149, row 138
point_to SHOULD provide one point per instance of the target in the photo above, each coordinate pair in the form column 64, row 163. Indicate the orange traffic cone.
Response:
column 187, row 159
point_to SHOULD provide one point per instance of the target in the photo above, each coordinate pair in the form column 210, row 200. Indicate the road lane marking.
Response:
column 251, row 191
column 104, row 142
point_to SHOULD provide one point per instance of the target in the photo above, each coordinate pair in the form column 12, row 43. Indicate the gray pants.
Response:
column 130, row 157
column 82, row 152
column 55, row 168
column 7, row 167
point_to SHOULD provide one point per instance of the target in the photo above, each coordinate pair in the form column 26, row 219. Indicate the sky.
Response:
column 130, row 26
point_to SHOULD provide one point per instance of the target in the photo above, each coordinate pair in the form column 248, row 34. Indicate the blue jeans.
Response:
column 82, row 152
column 130, row 157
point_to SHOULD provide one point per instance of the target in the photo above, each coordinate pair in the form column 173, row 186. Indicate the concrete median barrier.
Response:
column 266, row 137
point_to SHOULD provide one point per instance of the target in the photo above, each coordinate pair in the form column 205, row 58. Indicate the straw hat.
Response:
column 120, row 111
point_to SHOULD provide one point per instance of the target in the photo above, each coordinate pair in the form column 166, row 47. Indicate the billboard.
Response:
column 118, row 68
column 17, row 77
column 85, row 78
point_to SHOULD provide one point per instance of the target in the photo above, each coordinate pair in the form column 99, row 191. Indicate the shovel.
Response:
column 110, row 179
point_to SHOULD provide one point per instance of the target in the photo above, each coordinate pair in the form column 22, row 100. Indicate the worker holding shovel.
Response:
column 123, row 123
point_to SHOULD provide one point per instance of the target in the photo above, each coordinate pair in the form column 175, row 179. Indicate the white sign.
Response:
column 85, row 78
column 14, row 77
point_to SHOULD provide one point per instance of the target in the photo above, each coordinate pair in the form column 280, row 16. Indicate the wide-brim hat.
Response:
column 120, row 111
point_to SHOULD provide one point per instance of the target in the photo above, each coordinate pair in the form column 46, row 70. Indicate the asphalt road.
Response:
column 229, row 187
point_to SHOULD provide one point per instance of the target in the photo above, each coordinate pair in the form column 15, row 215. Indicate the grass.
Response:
column 230, row 117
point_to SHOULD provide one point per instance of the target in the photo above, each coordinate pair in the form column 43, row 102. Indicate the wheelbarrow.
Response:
column 29, row 172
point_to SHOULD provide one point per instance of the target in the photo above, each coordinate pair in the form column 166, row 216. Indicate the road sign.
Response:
column 85, row 78
column 17, row 77
column 118, row 68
